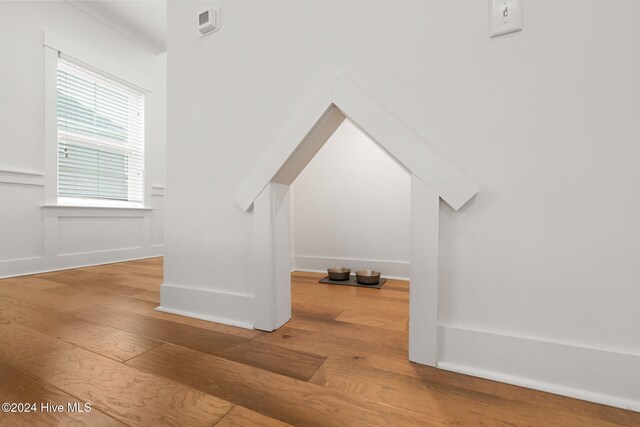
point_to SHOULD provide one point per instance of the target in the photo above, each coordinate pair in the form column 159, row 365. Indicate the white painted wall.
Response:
column 544, row 121
column 33, row 238
column 351, row 208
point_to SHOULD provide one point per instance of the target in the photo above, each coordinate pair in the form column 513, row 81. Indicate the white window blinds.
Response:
column 100, row 135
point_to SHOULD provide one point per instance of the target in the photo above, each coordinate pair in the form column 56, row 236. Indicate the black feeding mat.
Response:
column 352, row 282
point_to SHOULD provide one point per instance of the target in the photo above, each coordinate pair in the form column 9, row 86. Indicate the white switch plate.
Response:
column 505, row 17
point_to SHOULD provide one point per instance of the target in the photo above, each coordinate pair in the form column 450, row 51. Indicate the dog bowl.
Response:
column 368, row 277
column 339, row 273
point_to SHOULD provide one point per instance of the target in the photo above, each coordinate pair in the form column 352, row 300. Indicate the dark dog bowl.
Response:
column 339, row 273
column 368, row 277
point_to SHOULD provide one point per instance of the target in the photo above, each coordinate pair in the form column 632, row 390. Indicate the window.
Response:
column 100, row 135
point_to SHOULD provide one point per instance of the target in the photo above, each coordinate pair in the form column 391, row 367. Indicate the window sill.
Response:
column 79, row 206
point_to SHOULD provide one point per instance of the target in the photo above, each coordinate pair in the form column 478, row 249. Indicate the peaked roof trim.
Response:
column 397, row 141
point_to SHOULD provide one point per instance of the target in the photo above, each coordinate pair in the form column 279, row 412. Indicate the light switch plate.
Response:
column 505, row 17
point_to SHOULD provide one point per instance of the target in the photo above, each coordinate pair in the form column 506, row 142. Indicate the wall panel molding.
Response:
column 55, row 257
column 94, row 234
column 157, row 191
column 20, row 172
column 19, row 177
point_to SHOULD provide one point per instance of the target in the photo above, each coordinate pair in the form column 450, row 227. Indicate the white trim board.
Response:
column 46, row 264
column 336, row 100
column 390, row 269
column 157, row 191
column 21, row 172
column 233, row 309
column 21, row 178
column 606, row 377
column 99, row 62
column 95, row 209
column 206, row 317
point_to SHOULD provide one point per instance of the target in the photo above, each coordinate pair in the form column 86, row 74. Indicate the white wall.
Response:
column 33, row 238
column 351, row 208
column 544, row 121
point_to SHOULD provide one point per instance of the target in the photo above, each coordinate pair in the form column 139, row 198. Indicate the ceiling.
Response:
column 143, row 21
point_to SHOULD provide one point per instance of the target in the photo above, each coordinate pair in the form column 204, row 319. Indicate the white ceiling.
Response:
column 143, row 21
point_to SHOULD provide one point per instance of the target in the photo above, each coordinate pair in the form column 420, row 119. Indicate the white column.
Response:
column 423, row 303
column 272, row 276
column 281, row 252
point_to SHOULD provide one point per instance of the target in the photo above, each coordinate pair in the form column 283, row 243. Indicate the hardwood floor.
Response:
column 93, row 335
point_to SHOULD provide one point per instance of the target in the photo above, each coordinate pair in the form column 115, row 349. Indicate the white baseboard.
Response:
column 601, row 376
column 389, row 269
column 229, row 308
column 37, row 265
column 206, row 317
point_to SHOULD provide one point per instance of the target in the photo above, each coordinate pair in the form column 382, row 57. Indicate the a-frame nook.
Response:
column 266, row 194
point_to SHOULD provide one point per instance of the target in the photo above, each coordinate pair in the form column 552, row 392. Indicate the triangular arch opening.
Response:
column 334, row 102
column 267, row 192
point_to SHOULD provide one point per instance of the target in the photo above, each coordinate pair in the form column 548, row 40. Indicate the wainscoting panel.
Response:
column 40, row 238
column 21, row 234
column 157, row 219
column 77, row 235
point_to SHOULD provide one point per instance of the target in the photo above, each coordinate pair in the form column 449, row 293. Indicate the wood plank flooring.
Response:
column 93, row 335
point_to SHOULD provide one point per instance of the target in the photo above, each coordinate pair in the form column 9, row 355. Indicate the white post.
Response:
column 281, row 212
column 272, row 277
column 423, row 298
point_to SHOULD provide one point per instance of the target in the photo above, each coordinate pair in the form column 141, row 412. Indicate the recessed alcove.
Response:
column 350, row 207
column 266, row 195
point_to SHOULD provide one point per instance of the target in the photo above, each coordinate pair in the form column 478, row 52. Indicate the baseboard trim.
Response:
column 390, row 269
column 229, row 308
column 600, row 376
column 206, row 317
column 38, row 265
column 542, row 386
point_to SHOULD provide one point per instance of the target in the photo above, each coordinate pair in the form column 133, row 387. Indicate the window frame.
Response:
column 54, row 45
column 72, row 130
